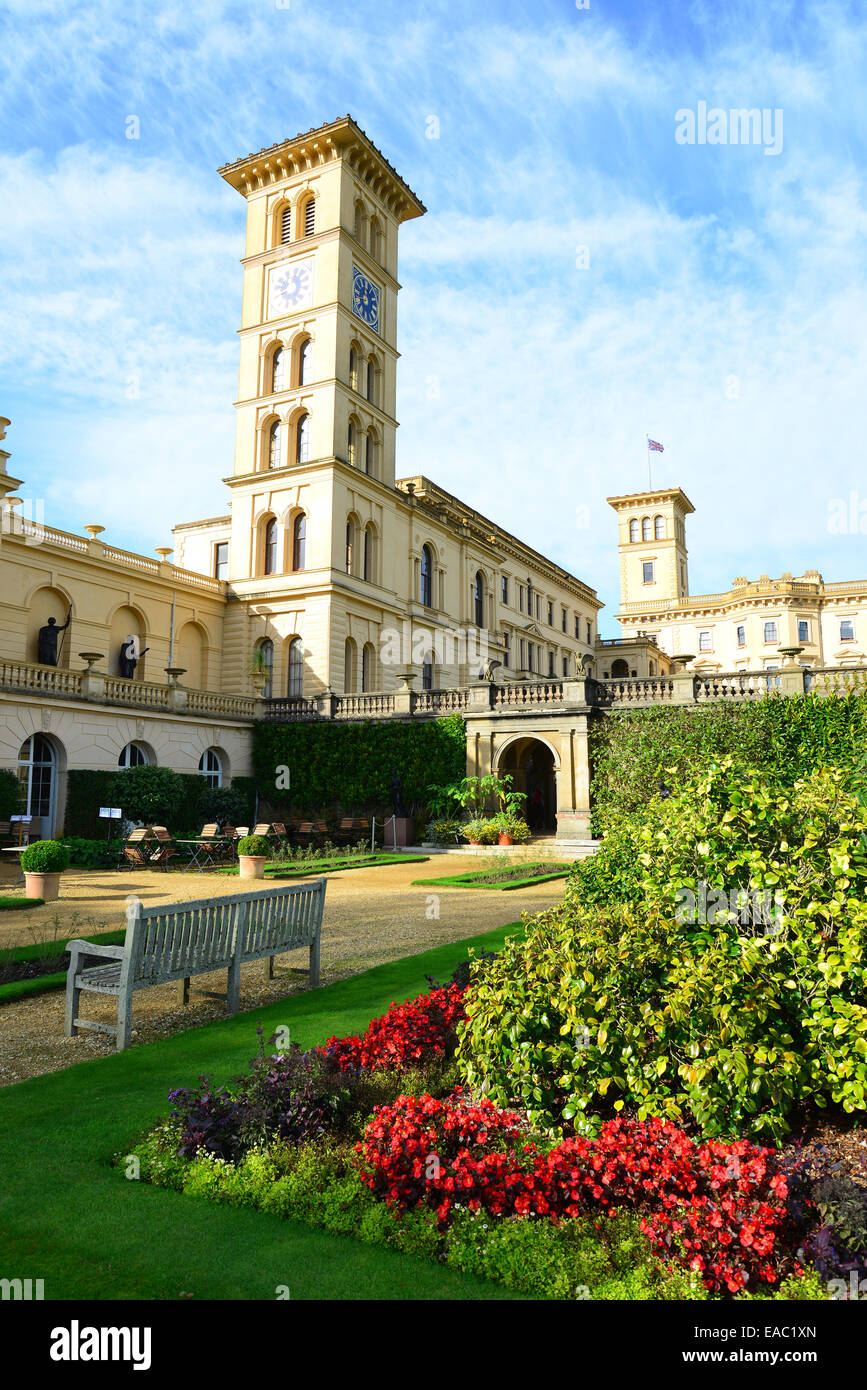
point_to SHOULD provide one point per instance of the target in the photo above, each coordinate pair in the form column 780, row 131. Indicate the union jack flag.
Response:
column 652, row 444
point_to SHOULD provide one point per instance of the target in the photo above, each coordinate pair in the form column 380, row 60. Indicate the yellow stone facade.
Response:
column 746, row 628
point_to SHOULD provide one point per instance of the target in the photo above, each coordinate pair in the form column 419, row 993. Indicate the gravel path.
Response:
column 371, row 916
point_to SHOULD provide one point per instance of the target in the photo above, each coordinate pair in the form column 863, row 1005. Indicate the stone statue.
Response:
column 397, row 795
column 130, row 656
column 490, row 668
column 48, row 640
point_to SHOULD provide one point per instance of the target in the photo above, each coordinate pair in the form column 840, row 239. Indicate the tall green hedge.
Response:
column 351, row 765
column 632, row 751
column 89, row 788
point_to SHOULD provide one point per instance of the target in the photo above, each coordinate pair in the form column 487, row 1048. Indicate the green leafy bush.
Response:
column 10, row 793
column 255, row 845
column 643, row 1004
column 481, row 828
column 148, row 793
column 225, row 805
column 45, row 857
column 89, row 854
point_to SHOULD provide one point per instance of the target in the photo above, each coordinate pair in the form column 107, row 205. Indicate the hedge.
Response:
column 90, row 788
column 631, row 752
column 351, row 765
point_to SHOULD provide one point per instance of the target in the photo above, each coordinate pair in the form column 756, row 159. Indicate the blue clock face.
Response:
column 365, row 299
column 291, row 287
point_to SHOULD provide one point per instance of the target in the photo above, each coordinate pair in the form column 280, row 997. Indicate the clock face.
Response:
column 365, row 298
column 290, row 287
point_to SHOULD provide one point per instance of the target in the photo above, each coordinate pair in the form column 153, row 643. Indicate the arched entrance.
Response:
column 531, row 765
column 37, row 774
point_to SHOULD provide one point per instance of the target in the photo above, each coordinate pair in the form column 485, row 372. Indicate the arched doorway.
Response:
column 533, row 769
column 620, row 668
column 37, row 774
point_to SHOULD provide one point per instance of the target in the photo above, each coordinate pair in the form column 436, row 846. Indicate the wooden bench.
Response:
column 175, row 941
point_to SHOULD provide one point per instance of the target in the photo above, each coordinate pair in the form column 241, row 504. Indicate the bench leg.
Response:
column 124, row 1020
column 233, row 993
column 184, row 990
column 72, row 996
column 269, row 968
column 314, row 963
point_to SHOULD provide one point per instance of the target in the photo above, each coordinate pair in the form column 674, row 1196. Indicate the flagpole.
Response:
column 649, row 479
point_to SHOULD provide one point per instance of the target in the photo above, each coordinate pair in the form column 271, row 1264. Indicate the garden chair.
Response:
column 134, row 851
column 165, row 849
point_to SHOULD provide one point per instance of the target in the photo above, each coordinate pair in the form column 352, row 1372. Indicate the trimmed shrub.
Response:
column 255, row 845
column 45, row 857
column 10, row 793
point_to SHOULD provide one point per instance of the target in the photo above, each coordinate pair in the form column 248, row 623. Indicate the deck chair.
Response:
column 165, row 849
column 134, row 852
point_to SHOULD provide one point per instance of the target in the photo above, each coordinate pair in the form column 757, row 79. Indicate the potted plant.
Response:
column 253, row 854
column 481, row 830
column 512, row 829
column 43, row 862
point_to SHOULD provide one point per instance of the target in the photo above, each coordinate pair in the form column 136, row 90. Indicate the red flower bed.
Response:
column 409, row 1033
column 717, row 1208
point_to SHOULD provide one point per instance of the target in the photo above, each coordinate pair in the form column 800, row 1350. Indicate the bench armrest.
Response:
column 92, row 948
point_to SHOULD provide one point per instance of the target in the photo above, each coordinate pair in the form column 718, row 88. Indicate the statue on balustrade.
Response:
column 130, row 656
column 47, row 640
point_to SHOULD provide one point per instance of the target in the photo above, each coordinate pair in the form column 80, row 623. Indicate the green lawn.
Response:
column 68, row 1217
column 503, row 885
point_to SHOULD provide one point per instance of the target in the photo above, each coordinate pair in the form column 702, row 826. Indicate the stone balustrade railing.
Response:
column 29, row 678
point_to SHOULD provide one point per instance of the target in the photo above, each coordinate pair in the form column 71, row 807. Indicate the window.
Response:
column 589, row 632
column 538, row 606
column 504, row 589
column 350, row 540
column 369, row 556
column 369, row 446
column 285, row 225
column 358, row 227
column 633, row 530
column 367, row 667
column 659, row 528
column 646, row 530
column 647, row 570
column 550, row 613
column 427, row 672
column 295, row 684
column 847, row 629
column 565, row 666
column 705, row 643
column 577, row 628
column 211, row 767
column 375, row 239
column 266, row 658
column 221, row 560
column 299, row 542
column 803, row 630
column 372, row 392
column 133, row 755
column 277, row 364
column 353, row 369
column 742, row 635
column 479, row 600
column 269, row 547
column 275, row 450
column 302, row 439
column 427, row 576
column 305, row 360
column 507, row 648
column 550, row 663
column 520, row 598
column 770, row 632
column 349, row 676
column 350, row 442
column 564, row 617
column 309, row 215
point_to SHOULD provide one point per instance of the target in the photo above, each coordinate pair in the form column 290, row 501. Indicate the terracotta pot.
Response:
column 252, row 865
column 504, row 839
column 475, row 842
column 44, row 886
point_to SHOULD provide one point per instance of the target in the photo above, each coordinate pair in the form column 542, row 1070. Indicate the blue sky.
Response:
column 719, row 304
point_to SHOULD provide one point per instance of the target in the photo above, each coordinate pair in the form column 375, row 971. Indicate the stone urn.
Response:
column 252, row 865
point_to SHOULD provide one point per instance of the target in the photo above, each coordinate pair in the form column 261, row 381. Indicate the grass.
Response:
column 314, row 868
column 71, row 1219
column 11, row 904
column 17, row 989
column 503, row 880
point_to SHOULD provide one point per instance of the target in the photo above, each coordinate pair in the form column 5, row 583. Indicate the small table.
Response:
column 205, row 852
column 19, row 850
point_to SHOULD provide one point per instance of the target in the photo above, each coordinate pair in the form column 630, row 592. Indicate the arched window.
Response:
column 211, row 767
column 427, row 576
column 646, row 533
column 302, row 439
column 360, row 225
column 479, row 599
column 659, row 528
column 375, row 239
column 350, row 442
column 307, row 217
column 277, row 366
column 370, row 452
column 275, row 445
column 369, row 558
column 353, row 369
column 299, row 542
column 305, row 361
column 296, row 668
column 269, row 547
column 284, row 223
column 633, row 529
column 350, row 544
column 367, row 667
column 37, row 776
column 620, row 667
column 133, row 755
column 350, row 679
column 266, row 658
column 372, row 381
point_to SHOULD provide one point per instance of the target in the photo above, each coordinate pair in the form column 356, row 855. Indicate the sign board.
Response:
column 110, row 812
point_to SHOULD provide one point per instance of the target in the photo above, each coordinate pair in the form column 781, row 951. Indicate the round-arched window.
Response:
column 133, row 755
column 211, row 767
column 427, row 576
column 296, row 668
